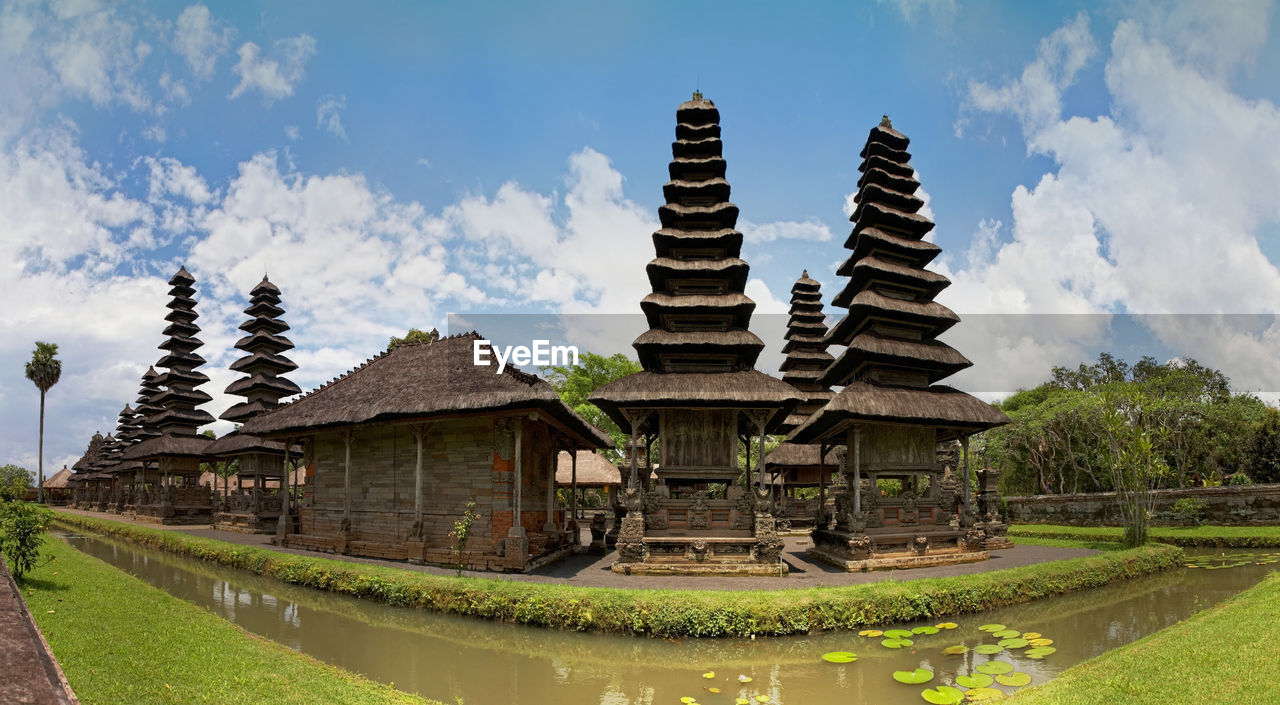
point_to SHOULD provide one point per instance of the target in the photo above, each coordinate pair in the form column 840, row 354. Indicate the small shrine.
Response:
column 265, row 505
column 173, row 455
column 898, row 509
column 698, row 395
column 792, row 466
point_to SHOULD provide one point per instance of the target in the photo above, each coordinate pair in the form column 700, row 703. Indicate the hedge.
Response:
column 1187, row 537
column 662, row 613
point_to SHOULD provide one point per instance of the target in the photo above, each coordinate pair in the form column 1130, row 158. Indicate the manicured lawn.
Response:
column 664, row 613
column 1233, row 536
column 1226, row 654
column 120, row 640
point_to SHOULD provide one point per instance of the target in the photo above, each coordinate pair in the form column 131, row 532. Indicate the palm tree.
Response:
column 44, row 371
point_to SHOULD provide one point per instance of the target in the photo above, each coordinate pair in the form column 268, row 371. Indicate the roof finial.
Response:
column 884, row 122
column 804, row 274
column 697, row 95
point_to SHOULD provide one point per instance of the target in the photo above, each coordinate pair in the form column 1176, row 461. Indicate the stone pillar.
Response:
column 282, row 526
column 517, row 542
column 572, row 524
column 964, row 448
column 857, row 470
column 550, row 526
column 820, row 517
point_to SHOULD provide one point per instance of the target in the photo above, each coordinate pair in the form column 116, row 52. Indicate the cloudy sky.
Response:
column 393, row 164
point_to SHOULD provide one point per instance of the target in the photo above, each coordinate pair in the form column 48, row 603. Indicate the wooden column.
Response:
column 573, row 492
column 282, row 524
column 821, row 515
column 635, row 473
column 760, row 456
column 964, row 446
column 420, row 437
column 550, row 525
column 516, row 478
column 346, row 481
column 857, row 469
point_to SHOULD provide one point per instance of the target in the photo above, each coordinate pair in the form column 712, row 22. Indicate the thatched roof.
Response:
column 237, row 443
column 169, row 446
column 747, row 389
column 422, row 380
column 58, row 480
column 791, row 455
column 594, row 470
column 939, row 406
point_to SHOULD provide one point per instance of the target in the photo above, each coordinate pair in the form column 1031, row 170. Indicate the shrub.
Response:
column 1240, row 479
column 22, row 526
column 1189, row 510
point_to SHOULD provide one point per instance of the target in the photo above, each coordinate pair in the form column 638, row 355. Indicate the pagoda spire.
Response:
column 146, row 408
column 893, row 322
column 805, row 350
column 177, row 414
column 262, row 386
column 128, row 426
column 698, row 314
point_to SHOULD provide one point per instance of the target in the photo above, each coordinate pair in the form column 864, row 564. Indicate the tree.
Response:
column 1262, row 454
column 43, row 370
column 574, row 384
column 413, row 336
column 1131, row 456
column 14, row 482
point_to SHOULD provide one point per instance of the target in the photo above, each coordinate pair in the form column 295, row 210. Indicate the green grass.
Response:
column 663, row 613
column 1223, row 536
column 1226, row 654
column 120, row 640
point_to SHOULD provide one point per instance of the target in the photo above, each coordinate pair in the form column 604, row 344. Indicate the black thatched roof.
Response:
column 421, row 380
column 946, row 408
column 795, row 455
column 169, row 446
column 236, row 443
column 748, row 389
column 594, row 470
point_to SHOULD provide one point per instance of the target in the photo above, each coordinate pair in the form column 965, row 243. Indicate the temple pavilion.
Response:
column 397, row 447
column 173, row 456
column 899, row 509
column 264, row 506
column 792, row 466
column 698, row 394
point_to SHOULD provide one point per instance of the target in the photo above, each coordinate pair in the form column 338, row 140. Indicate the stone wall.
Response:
column 463, row 460
column 1240, row 505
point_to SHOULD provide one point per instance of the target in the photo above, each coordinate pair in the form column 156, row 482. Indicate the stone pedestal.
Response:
column 515, row 549
column 631, row 548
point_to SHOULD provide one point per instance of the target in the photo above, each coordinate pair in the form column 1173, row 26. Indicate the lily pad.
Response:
column 741, row 701
column 1039, row 652
column 898, row 633
column 1039, row 642
column 977, row 695
column 839, row 657
column 995, row 668
column 870, row 632
column 744, row 679
column 943, row 695
column 916, row 677
column 988, row 649
column 1031, row 635
column 1017, row 679
column 1005, row 633
column 975, row 680
column 991, row 627
column 898, row 643
column 947, row 625
column 709, row 675
column 762, row 698
column 713, row 690
column 925, row 630
column 688, row 700
column 1014, row 643
column 956, row 650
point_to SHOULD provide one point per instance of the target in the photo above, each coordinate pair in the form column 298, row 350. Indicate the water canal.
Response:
column 458, row 659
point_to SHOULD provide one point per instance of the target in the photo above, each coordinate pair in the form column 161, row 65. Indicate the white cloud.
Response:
column 292, row 132
column 275, row 77
column 328, row 117
column 200, row 39
column 943, row 11
column 811, row 229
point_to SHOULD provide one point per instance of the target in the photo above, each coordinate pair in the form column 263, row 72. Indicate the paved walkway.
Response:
column 589, row 570
column 28, row 671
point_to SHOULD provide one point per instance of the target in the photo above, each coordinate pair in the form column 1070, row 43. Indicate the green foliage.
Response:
column 1240, row 479
column 1194, row 536
column 664, row 613
column 575, row 384
column 460, row 533
column 1130, row 453
column 1189, row 510
column 413, row 336
column 1058, row 439
column 44, row 369
column 14, row 482
column 22, row 527
column 1262, row 455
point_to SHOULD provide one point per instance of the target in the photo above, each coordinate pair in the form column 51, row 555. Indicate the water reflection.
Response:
column 454, row 658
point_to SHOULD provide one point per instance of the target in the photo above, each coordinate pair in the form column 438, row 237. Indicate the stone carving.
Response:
column 763, row 500
column 871, row 503
column 973, row 540
column 655, row 517
column 699, row 512
column 860, row 546
column 740, row 517
column 920, row 545
column 768, row 548
column 631, row 548
column 698, row 550
column 948, row 491
column 910, row 514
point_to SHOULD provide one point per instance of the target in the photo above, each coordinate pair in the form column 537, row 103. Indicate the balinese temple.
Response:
column 123, row 472
column 397, row 447
column 699, row 392
column 174, row 455
column 81, row 473
column 891, row 415
column 263, row 506
column 790, row 466
column 57, row 488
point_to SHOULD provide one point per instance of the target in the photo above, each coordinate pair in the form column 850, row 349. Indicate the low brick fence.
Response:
column 1242, row 505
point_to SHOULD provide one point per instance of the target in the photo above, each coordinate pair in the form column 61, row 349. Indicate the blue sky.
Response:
column 390, row 165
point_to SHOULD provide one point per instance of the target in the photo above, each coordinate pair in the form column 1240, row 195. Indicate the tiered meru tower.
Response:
column 698, row 393
column 178, row 449
column 262, row 508
column 890, row 414
column 791, row 465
